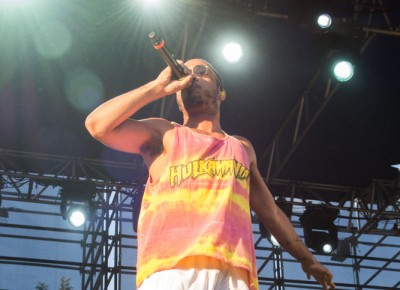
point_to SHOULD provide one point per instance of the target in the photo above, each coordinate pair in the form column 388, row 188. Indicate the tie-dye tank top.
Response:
column 199, row 207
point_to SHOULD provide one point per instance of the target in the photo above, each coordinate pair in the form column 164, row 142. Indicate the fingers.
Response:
column 186, row 81
column 177, row 85
column 323, row 283
column 326, row 281
column 321, row 274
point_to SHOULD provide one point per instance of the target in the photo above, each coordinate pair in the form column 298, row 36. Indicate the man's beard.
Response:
column 194, row 98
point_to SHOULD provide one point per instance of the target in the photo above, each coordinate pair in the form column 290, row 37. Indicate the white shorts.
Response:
column 194, row 279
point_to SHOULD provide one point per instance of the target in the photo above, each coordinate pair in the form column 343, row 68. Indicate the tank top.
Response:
column 199, row 207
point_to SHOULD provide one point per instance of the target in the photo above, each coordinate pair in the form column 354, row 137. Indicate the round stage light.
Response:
column 233, row 52
column 324, row 21
column 327, row 248
column 343, row 70
column 77, row 216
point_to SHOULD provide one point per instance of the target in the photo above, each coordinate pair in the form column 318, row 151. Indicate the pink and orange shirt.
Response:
column 199, row 207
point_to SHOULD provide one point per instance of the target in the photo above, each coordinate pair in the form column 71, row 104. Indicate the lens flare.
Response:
column 53, row 40
column 84, row 89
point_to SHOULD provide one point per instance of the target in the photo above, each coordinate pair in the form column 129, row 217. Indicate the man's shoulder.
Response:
column 156, row 120
column 248, row 147
column 242, row 140
column 159, row 124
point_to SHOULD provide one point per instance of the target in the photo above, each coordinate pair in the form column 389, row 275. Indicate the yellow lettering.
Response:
column 245, row 174
column 238, row 168
column 187, row 170
column 196, row 169
column 211, row 167
column 175, row 172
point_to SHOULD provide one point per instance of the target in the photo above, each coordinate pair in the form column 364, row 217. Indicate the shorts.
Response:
column 197, row 279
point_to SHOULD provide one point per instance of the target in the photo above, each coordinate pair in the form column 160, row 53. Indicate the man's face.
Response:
column 203, row 92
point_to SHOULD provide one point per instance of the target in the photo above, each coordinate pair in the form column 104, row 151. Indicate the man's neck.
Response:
column 206, row 125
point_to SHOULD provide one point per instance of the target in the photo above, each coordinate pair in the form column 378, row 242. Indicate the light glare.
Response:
column 343, row 71
column 274, row 241
column 151, row 3
column 324, row 21
column 76, row 217
column 84, row 89
column 327, row 248
column 16, row 3
column 53, row 39
column 397, row 166
column 233, row 52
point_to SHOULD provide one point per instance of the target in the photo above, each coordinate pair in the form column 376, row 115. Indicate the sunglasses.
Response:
column 203, row 70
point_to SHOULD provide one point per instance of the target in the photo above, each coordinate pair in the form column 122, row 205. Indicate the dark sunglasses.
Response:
column 203, row 70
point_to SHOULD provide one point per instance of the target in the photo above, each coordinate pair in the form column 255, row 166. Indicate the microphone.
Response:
column 178, row 71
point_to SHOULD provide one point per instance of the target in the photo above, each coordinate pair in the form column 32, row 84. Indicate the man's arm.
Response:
column 275, row 220
column 110, row 123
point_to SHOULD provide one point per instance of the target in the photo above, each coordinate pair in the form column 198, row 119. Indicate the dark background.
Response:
column 354, row 140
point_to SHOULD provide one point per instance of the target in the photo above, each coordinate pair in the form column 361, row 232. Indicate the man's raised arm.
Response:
column 110, row 123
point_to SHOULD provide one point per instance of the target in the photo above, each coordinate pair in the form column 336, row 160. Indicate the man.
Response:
column 195, row 227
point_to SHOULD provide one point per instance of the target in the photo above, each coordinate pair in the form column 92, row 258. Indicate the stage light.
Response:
column 232, row 52
column 313, row 16
column 319, row 240
column 77, row 215
column 397, row 166
column 324, row 21
column 327, row 248
column 320, row 232
column 339, row 53
column 152, row 3
column 342, row 251
column 151, row 6
column 77, row 204
column 342, row 69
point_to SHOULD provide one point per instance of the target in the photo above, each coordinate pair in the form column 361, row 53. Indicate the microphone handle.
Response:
column 159, row 44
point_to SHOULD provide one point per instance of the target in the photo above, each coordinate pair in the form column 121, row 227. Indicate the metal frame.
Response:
column 364, row 212
column 315, row 97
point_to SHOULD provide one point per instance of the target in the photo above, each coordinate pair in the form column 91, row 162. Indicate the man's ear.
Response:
column 222, row 95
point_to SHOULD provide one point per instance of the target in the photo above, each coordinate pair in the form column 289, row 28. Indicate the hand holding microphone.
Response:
column 178, row 71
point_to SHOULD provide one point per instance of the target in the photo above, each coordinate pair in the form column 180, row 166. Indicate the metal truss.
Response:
column 31, row 178
column 366, row 215
column 370, row 18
